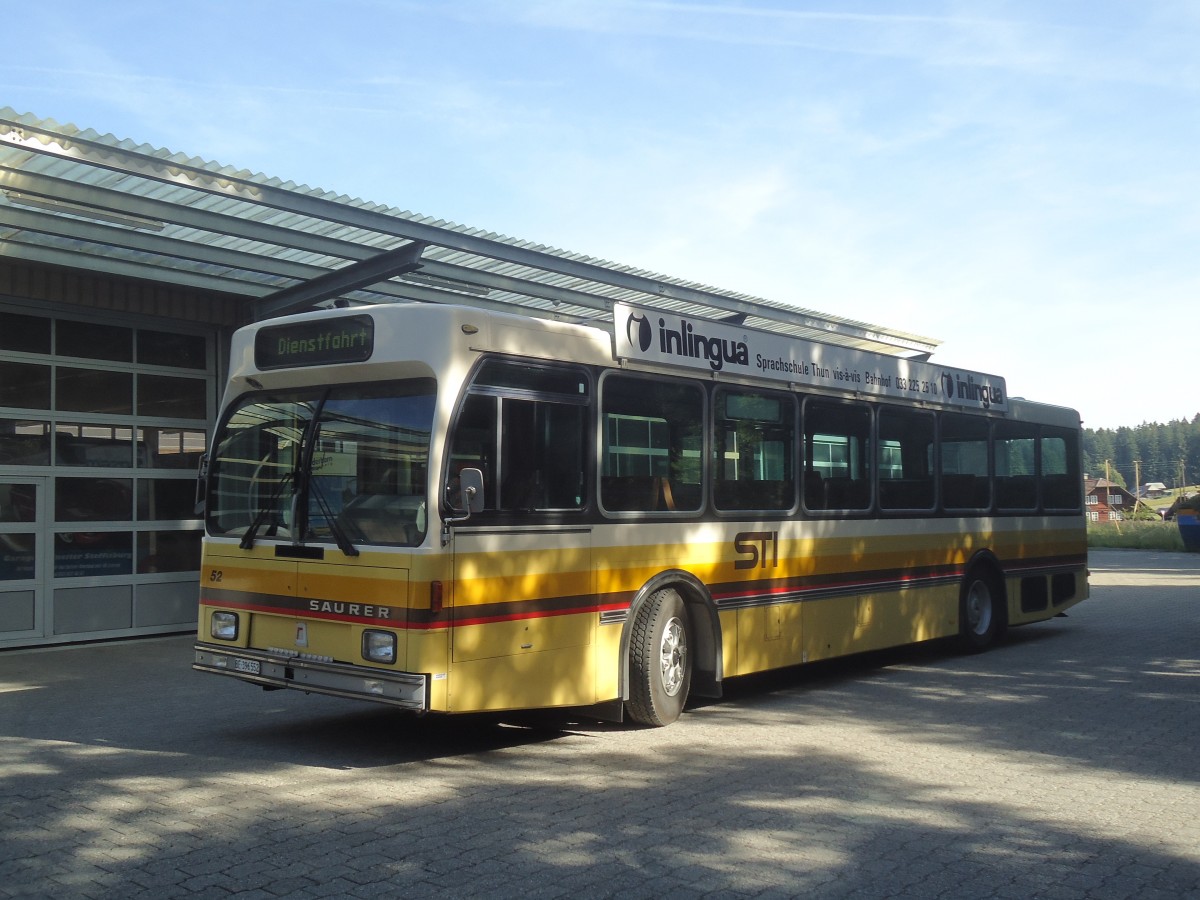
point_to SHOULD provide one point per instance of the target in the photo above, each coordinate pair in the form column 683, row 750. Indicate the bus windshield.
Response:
column 347, row 464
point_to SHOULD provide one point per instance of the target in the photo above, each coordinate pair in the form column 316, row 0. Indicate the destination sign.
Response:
column 315, row 343
column 673, row 339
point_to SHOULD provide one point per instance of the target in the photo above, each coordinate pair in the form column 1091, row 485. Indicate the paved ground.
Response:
column 1063, row 764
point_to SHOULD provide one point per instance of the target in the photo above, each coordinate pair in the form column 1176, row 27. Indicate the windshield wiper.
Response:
column 339, row 535
column 307, row 482
column 247, row 541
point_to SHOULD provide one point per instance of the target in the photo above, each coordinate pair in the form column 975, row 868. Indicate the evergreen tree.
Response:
column 1152, row 451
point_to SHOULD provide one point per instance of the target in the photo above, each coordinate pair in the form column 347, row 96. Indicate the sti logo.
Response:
column 639, row 332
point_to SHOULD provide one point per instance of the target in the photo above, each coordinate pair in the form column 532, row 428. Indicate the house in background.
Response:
column 1152, row 490
column 1106, row 501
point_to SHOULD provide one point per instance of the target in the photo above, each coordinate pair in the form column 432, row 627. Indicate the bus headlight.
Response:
column 224, row 626
column 379, row 646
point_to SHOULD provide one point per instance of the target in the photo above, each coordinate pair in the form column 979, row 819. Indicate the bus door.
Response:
column 524, row 609
column 524, row 618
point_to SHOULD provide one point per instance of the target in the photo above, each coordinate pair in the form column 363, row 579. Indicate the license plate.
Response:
column 249, row 666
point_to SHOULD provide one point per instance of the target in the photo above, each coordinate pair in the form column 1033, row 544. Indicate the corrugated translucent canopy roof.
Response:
column 79, row 199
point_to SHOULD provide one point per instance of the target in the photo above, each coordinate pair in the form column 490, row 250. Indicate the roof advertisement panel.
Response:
column 672, row 339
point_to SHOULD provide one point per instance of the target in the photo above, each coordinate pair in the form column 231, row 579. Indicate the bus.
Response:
column 456, row 510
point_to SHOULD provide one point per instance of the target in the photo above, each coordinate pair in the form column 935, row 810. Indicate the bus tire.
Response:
column 980, row 610
column 660, row 660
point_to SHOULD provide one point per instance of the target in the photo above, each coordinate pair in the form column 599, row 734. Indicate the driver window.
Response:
column 525, row 427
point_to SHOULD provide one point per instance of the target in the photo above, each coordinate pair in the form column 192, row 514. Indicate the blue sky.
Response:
column 1019, row 180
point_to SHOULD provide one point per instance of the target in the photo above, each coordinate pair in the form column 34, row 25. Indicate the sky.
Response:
column 1019, row 180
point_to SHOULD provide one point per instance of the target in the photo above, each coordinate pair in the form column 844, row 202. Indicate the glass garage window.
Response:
column 88, row 554
column 93, row 499
column 168, row 551
column 94, row 391
column 17, row 557
column 170, row 448
column 93, row 445
column 90, row 340
column 24, row 334
column 24, row 442
column 166, row 498
column 178, row 351
column 169, row 397
column 24, row 385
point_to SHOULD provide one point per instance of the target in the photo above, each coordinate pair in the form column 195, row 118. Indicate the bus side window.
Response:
column 906, row 442
column 837, row 441
column 754, row 438
column 653, row 445
column 1061, row 478
column 1015, row 459
column 964, row 462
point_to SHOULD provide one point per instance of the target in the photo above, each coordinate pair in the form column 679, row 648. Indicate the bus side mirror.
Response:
column 470, row 482
column 470, row 500
column 201, row 484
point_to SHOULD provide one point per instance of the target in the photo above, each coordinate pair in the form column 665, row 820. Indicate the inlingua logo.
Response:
column 689, row 342
column 984, row 393
column 639, row 332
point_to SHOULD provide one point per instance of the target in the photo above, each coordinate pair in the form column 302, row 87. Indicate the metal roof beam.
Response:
column 104, row 199
column 188, row 257
column 362, row 274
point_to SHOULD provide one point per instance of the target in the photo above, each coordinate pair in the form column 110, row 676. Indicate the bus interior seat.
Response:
column 1016, row 492
column 1060, row 492
column 750, row 495
column 906, row 493
column 814, row 489
column 642, row 493
column 847, row 493
column 965, row 491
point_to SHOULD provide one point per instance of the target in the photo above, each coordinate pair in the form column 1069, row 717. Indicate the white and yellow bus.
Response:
column 455, row 510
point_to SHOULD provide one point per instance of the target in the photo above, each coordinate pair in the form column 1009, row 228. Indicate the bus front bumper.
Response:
column 273, row 670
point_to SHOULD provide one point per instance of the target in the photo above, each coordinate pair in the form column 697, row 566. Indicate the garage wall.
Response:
column 110, row 387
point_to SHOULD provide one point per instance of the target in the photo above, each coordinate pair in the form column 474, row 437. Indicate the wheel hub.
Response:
column 673, row 657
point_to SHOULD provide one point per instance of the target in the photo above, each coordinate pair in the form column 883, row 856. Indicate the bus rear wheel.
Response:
column 981, row 617
column 660, row 661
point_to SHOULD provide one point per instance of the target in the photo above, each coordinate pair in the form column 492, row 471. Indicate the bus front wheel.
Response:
column 981, row 614
column 660, row 662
